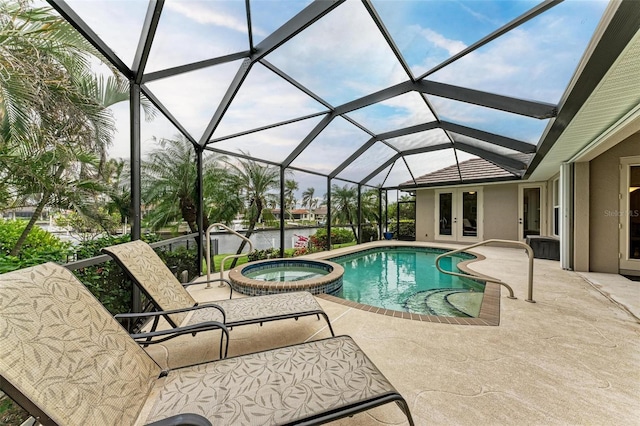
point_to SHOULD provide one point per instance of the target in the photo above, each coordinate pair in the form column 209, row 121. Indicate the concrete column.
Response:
column 581, row 217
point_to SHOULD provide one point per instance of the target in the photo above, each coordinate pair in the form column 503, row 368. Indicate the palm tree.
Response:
column 169, row 176
column 114, row 174
column 309, row 200
column 290, row 186
column 53, row 110
column 344, row 206
column 255, row 181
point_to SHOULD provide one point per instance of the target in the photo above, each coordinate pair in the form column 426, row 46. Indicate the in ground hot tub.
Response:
column 284, row 275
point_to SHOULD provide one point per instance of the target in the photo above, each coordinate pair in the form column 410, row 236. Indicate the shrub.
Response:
column 40, row 246
column 407, row 228
column 269, row 253
column 369, row 233
column 318, row 240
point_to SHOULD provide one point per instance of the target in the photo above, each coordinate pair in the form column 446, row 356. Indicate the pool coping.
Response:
column 489, row 308
column 316, row 286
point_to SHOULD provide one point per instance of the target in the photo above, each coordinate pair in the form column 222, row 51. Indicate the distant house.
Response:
column 295, row 214
column 320, row 214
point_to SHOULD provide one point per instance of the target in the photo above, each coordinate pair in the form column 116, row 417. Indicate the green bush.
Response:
column 110, row 284
column 270, row 253
column 369, row 233
column 181, row 259
column 407, row 228
column 39, row 247
column 318, row 240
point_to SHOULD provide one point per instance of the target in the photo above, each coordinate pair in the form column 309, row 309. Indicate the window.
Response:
column 556, row 207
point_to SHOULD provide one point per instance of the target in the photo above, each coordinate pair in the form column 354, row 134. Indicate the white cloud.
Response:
column 205, row 15
column 451, row 46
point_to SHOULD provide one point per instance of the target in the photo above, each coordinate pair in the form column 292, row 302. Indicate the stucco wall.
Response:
column 604, row 181
column 425, row 210
column 501, row 212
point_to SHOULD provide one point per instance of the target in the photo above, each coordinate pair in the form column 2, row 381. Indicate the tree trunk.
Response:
column 190, row 215
column 36, row 214
column 252, row 224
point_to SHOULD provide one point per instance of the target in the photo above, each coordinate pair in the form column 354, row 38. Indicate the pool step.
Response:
column 434, row 302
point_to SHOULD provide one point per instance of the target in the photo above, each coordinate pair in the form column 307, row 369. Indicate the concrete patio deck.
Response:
column 572, row 358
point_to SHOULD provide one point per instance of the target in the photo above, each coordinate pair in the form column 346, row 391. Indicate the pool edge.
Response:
column 489, row 309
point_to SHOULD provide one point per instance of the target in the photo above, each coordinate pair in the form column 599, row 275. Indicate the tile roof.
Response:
column 474, row 170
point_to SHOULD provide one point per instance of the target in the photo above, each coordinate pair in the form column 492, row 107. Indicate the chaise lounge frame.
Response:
column 147, row 270
column 67, row 361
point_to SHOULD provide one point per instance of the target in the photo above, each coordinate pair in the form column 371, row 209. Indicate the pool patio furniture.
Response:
column 147, row 270
column 67, row 361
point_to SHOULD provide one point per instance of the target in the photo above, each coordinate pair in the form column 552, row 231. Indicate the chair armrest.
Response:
column 179, row 331
column 186, row 419
column 150, row 338
column 173, row 311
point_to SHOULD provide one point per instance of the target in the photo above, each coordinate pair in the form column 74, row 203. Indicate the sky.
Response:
column 340, row 58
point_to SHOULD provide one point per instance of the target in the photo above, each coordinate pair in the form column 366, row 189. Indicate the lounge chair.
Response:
column 67, row 361
column 148, row 271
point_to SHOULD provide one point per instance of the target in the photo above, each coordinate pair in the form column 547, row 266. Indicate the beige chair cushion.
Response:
column 154, row 276
column 252, row 308
column 273, row 387
column 66, row 353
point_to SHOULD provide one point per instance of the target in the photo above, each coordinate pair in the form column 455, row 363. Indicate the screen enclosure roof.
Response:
column 371, row 92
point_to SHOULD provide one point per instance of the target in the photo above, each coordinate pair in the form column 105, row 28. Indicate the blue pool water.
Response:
column 406, row 279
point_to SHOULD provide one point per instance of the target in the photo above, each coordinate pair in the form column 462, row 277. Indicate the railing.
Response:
column 494, row 280
column 231, row 256
column 182, row 240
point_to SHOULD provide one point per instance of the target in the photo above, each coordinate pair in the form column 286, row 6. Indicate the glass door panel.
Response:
column 470, row 214
column 634, row 212
column 531, row 200
column 446, row 213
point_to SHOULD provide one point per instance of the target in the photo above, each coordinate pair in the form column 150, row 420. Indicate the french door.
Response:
column 629, row 213
column 459, row 214
column 531, row 210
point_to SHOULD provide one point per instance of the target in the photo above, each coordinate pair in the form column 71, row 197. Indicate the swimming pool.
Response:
column 406, row 279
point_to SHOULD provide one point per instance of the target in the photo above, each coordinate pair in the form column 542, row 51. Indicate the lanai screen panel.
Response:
column 374, row 157
column 426, row 139
column 534, row 61
column 193, row 97
column 192, row 31
column 421, row 164
column 268, row 15
column 273, row 144
column 396, row 113
column 265, row 99
column 429, row 32
column 522, row 128
column 341, row 57
column 117, row 23
column 399, row 173
column 330, row 148
column 344, row 56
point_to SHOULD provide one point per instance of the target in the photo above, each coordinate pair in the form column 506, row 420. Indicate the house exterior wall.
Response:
column 501, row 211
column 425, row 211
column 604, row 184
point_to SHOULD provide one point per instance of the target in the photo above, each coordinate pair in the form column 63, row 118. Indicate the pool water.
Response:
column 406, row 279
column 286, row 273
